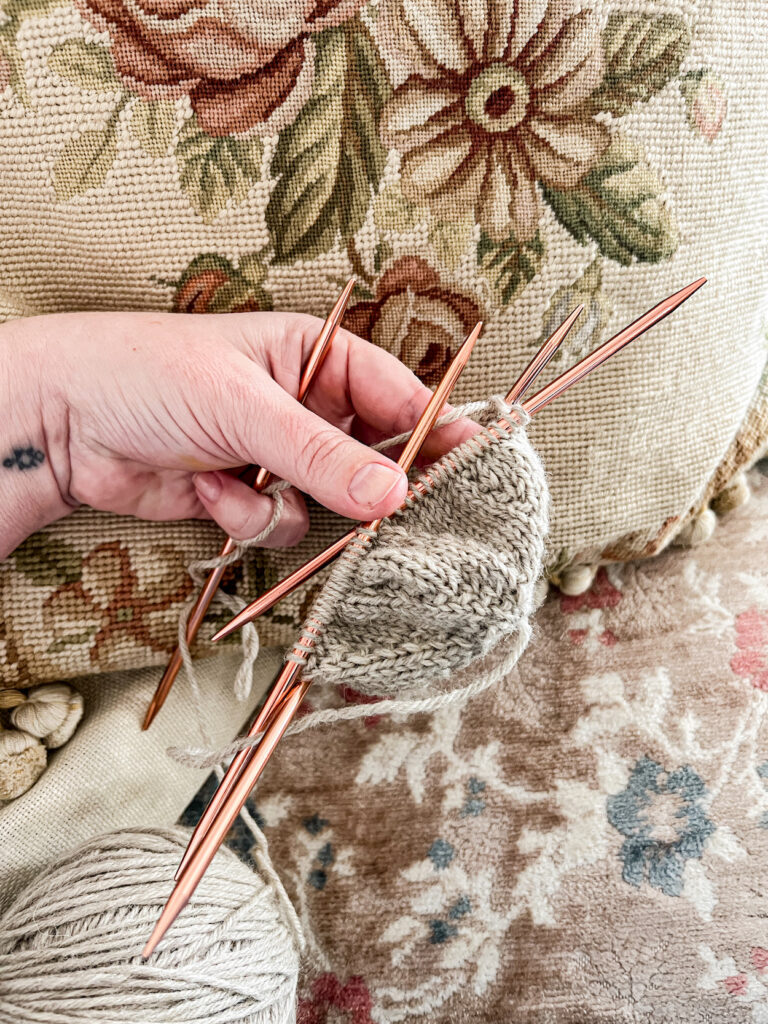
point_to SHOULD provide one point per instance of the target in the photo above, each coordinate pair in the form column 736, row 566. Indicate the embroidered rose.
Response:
column 495, row 99
column 240, row 64
column 416, row 317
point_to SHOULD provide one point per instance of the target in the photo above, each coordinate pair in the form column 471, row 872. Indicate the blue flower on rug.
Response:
column 663, row 818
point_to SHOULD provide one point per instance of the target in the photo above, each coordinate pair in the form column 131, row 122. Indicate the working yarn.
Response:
column 70, row 941
column 444, row 580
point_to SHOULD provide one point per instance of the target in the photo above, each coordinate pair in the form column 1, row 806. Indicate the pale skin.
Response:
column 153, row 415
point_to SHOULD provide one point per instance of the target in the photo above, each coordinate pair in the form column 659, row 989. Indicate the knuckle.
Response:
column 321, row 451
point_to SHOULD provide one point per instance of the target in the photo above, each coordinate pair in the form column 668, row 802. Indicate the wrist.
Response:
column 30, row 438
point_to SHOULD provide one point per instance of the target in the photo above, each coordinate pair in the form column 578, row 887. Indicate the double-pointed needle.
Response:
column 528, row 376
column 306, row 571
column 290, row 689
column 196, row 864
column 315, row 361
column 533, row 405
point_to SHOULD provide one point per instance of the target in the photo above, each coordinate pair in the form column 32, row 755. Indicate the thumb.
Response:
column 318, row 458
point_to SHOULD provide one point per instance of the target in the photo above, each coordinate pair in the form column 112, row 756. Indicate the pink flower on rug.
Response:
column 330, row 999
column 736, row 985
column 602, row 594
column 752, row 642
column 759, row 957
column 350, row 696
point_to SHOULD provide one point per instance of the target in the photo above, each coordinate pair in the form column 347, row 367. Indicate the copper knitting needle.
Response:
column 198, row 862
column 533, row 405
column 527, row 377
column 294, row 697
column 284, row 680
column 315, row 361
column 286, row 586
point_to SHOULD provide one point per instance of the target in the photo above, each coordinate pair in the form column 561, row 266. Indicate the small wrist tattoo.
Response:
column 24, row 458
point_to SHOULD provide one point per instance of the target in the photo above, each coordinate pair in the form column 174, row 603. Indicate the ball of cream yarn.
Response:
column 70, row 943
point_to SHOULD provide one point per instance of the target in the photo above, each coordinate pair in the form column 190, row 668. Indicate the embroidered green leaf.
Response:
column 88, row 65
column 451, row 240
column 587, row 332
column 215, row 170
column 18, row 10
column 85, row 161
column 152, row 124
column 642, row 53
column 48, row 561
column 510, row 264
column 212, row 284
column 393, row 212
column 330, row 159
column 9, row 51
column 618, row 205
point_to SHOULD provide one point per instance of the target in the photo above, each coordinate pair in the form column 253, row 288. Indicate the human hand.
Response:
column 143, row 414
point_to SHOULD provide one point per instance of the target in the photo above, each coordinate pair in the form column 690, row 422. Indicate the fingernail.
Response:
column 373, row 483
column 207, row 485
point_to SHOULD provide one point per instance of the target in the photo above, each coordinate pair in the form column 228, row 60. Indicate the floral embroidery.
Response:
column 486, row 112
column 665, row 824
column 485, row 119
column 705, row 102
column 752, row 642
column 416, row 317
column 330, row 998
column 238, row 71
column 108, row 606
column 212, row 284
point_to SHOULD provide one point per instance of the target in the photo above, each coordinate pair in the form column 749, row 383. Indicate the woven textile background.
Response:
column 493, row 159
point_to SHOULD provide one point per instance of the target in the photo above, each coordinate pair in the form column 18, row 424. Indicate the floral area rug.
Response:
column 588, row 842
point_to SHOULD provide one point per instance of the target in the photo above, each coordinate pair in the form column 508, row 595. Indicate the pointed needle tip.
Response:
column 150, row 716
column 225, row 631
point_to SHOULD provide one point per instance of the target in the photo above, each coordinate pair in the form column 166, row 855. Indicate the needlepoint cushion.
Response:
column 499, row 160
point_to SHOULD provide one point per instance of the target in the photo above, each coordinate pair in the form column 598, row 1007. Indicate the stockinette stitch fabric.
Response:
column 444, row 580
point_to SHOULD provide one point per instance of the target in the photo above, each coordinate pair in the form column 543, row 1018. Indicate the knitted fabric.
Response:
column 441, row 582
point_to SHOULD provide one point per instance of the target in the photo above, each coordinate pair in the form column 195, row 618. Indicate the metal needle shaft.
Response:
column 289, row 702
column 316, row 358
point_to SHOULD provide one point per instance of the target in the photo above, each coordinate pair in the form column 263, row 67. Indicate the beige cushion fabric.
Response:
column 651, row 173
